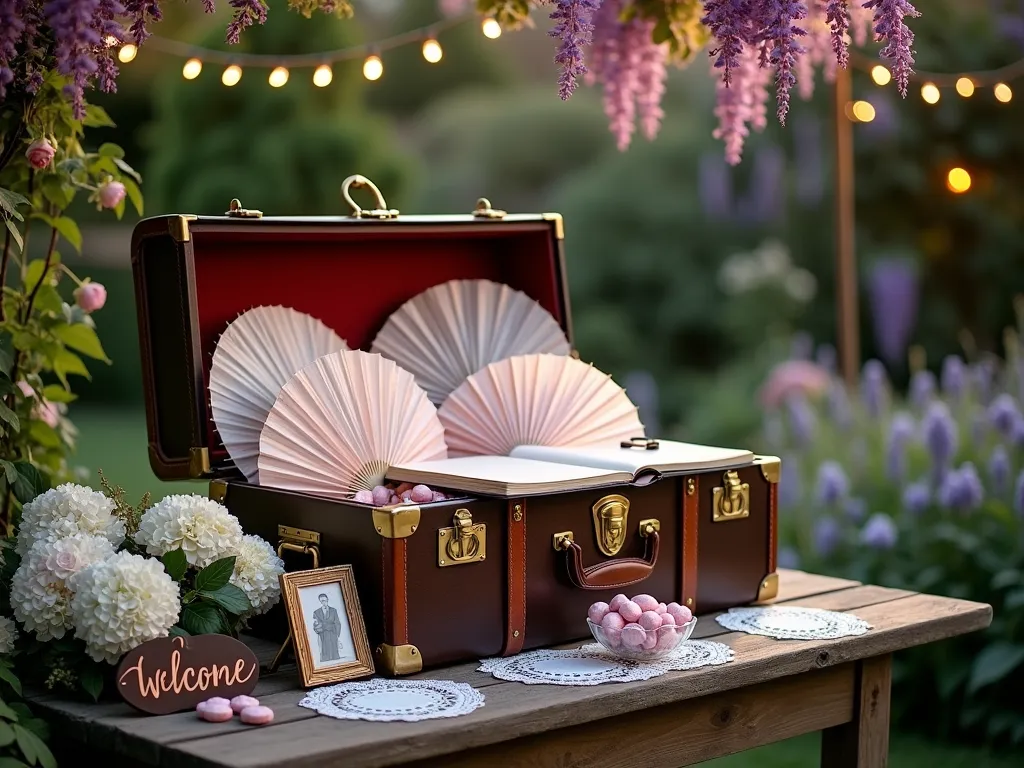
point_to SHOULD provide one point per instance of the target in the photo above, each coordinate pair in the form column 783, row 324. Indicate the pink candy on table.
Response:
column 662, row 608
column 216, row 713
column 257, row 715
column 667, row 638
column 363, row 496
column 649, row 620
column 381, row 496
column 597, row 612
column 617, row 602
column 680, row 613
column 667, row 619
column 630, row 611
column 216, row 701
column 650, row 641
column 421, row 494
column 646, row 602
column 242, row 702
column 633, row 636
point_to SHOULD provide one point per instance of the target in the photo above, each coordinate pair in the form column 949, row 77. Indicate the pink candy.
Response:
column 650, row 641
column 381, row 496
column 438, row 496
column 650, row 620
column 630, row 611
column 597, row 612
column 646, row 602
column 667, row 619
column 613, row 621
column 421, row 494
column 633, row 636
column 257, row 715
column 216, row 701
column 242, row 702
column 215, row 713
column 680, row 613
column 403, row 488
column 667, row 638
column 617, row 602
column 405, row 493
column 363, row 496
column 641, row 623
column 662, row 608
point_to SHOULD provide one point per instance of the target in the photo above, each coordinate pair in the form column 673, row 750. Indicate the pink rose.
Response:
column 793, row 377
column 111, row 194
column 40, row 154
column 26, row 388
column 48, row 413
column 91, row 296
column 67, row 561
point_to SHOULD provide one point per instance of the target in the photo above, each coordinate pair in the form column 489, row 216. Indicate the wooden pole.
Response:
column 847, row 321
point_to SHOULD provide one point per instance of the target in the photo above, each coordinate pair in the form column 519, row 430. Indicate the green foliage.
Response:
column 211, row 605
column 22, row 736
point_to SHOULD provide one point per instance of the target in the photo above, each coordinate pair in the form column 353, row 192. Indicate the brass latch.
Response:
column 484, row 210
column 610, row 514
column 380, row 212
column 465, row 542
column 299, row 540
column 236, row 211
column 733, row 501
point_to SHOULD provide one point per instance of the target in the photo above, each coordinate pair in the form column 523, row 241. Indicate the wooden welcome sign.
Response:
column 173, row 674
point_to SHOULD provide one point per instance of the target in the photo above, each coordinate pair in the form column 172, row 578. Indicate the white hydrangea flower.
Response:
column 202, row 528
column 8, row 634
column 257, row 567
column 41, row 589
column 121, row 603
column 64, row 511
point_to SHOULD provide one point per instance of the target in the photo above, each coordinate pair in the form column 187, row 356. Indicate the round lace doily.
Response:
column 792, row 623
column 692, row 654
column 388, row 700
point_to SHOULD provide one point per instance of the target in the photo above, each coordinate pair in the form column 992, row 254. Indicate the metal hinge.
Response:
column 731, row 502
column 380, row 212
column 465, row 542
column 484, row 210
column 236, row 211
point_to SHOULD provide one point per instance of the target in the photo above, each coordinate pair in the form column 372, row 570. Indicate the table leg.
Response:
column 864, row 741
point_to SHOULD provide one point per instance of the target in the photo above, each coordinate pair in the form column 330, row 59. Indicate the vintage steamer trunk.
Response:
column 452, row 580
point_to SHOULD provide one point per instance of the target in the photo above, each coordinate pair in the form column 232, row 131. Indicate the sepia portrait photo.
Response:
column 327, row 626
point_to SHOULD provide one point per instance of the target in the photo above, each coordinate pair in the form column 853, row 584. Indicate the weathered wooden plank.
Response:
column 515, row 710
column 796, row 584
column 684, row 733
column 864, row 741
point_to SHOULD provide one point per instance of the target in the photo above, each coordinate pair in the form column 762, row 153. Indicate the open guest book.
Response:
column 536, row 469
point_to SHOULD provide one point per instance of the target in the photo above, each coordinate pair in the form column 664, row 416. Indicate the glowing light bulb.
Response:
column 322, row 76
column 127, row 53
column 1003, row 92
column 373, row 68
column 231, row 75
column 958, row 180
column 880, row 75
column 278, row 77
column 432, row 51
column 491, row 29
column 930, row 93
column 863, row 111
column 965, row 87
column 192, row 69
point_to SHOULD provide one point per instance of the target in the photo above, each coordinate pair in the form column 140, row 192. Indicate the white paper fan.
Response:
column 537, row 400
column 260, row 350
column 342, row 421
column 454, row 329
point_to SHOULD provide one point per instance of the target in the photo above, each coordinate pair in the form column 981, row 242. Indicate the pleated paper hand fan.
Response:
column 342, row 421
column 454, row 329
column 537, row 400
column 260, row 350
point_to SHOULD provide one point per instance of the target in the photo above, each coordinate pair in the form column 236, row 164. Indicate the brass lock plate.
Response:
column 610, row 516
column 732, row 501
column 297, row 535
column 465, row 542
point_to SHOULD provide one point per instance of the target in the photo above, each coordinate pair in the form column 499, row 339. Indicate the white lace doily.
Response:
column 593, row 665
column 388, row 700
column 792, row 623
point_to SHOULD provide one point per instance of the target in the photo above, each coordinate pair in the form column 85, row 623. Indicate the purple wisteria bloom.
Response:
column 247, row 13
column 825, row 536
column 855, row 508
column 839, row 409
column 899, row 40
column 72, row 24
column 651, row 75
column 893, row 294
column 879, row 532
column 574, row 29
column 1004, row 414
column 873, row 383
column 832, row 484
column 12, row 25
column 141, row 12
column 999, row 469
column 783, row 32
column 982, row 376
column 916, row 497
column 838, row 17
column 922, row 388
column 901, row 431
column 728, row 21
column 940, row 434
column 954, row 376
column 961, row 489
column 741, row 105
column 802, row 420
column 1018, row 495
column 1017, row 438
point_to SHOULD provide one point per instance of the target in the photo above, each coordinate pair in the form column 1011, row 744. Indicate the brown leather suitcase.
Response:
column 452, row 580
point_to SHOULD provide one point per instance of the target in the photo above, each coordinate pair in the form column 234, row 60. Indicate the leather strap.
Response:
column 690, row 526
column 396, row 593
column 614, row 573
column 773, row 526
column 515, row 632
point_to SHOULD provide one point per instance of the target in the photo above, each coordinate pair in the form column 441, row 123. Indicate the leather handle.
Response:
column 614, row 573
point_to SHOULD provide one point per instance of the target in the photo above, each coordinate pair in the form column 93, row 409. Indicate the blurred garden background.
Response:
column 708, row 290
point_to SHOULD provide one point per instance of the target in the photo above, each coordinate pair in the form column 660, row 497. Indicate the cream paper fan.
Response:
column 536, row 400
column 342, row 421
column 454, row 329
column 260, row 350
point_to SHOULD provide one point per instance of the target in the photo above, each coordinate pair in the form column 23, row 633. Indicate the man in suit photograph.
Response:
column 327, row 625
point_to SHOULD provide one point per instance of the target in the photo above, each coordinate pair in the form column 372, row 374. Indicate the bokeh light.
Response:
column 958, row 180
column 322, row 76
column 930, row 93
column 127, row 53
column 491, row 29
column 231, row 75
column 192, row 69
column 965, row 87
column 863, row 111
column 432, row 51
column 1003, row 92
column 373, row 68
column 278, row 77
column 880, row 75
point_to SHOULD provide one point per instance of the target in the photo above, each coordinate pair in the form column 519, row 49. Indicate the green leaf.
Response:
column 177, row 631
column 15, row 234
column 230, row 598
column 6, row 734
column 175, row 563
column 65, row 363
column 34, row 273
column 30, row 482
column 11, row 679
column 125, row 168
column 48, row 300
column 6, row 352
column 69, row 231
column 9, row 417
column 10, row 471
column 994, row 663
column 119, row 210
column 91, row 679
column 9, row 202
column 57, row 394
column 97, row 117
column 11, row 762
column 134, row 194
column 57, row 192
column 33, row 748
column 110, row 150
column 215, row 575
column 8, row 713
column 81, row 338
column 202, row 618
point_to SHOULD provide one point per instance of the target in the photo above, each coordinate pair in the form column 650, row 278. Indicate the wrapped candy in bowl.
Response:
column 641, row 628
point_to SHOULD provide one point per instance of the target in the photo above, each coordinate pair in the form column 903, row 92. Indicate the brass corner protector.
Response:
column 771, row 467
column 396, row 522
column 398, row 659
column 559, row 224
column 769, row 588
column 218, row 490
column 179, row 229
column 198, row 462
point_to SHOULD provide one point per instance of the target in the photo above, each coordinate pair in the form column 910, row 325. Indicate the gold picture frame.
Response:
column 329, row 641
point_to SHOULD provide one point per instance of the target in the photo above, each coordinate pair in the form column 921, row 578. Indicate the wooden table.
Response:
column 772, row 691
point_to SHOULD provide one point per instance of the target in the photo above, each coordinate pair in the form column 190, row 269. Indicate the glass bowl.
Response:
column 663, row 639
